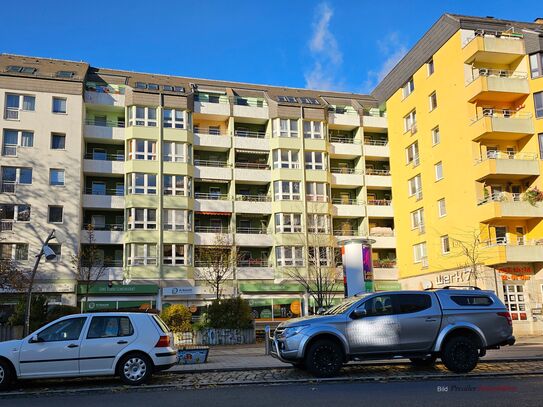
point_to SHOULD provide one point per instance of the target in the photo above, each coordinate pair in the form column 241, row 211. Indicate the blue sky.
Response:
column 336, row 45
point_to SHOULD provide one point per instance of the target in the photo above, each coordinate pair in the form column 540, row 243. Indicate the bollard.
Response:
column 267, row 341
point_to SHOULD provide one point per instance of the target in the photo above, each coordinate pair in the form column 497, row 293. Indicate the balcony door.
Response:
column 501, row 234
column 98, row 188
column 519, row 231
column 98, row 222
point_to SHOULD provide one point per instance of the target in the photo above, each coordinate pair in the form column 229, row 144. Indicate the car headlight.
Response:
column 295, row 330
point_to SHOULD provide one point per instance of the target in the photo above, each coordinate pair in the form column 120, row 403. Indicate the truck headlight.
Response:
column 295, row 330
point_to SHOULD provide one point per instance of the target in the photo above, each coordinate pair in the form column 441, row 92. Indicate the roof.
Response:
column 440, row 32
column 44, row 68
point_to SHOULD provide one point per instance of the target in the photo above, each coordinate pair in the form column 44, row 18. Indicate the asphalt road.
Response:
column 524, row 391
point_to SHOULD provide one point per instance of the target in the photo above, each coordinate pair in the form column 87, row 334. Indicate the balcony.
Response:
column 104, row 234
column 380, row 208
column 348, row 208
column 350, row 177
column 216, row 107
column 376, row 148
column 379, row 178
column 99, row 198
column 209, row 169
column 216, row 140
column 383, row 241
column 503, row 250
column 109, row 130
column 254, row 269
column 252, row 172
column 207, row 202
column 253, row 204
column 209, row 235
column 255, row 237
column 497, row 85
column 496, row 124
column 343, row 117
column 501, row 48
column 504, row 205
column 251, row 140
column 385, row 269
column 344, row 147
column 504, row 165
column 106, row 99
column 250, row 107
column 374, row 120
column 103, row 163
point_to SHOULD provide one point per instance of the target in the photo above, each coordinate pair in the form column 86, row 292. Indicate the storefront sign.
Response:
column 459, row 276
column 48, row 288
column 129, row 289
column 516, row 269
column 265, row 287
column 387, row 286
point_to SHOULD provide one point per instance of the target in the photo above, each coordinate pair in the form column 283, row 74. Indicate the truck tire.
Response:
column 6, row 375
column 422, row 362
column 324, row 358
column 460, row 354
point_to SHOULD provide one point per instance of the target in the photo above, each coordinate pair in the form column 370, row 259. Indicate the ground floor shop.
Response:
column 117, row 297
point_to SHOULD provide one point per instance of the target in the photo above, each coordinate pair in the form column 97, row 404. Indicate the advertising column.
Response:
column 357, row 266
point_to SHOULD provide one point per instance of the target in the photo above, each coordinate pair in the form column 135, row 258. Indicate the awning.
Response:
column 214, row 213
column 239, row 150
column 212, row 181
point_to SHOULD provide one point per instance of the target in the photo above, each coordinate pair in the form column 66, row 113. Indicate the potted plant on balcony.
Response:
column 533, row 196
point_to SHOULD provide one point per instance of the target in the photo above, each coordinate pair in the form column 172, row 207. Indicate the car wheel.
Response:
column 428, row 361
column 300, row 365
column 135, row 369
column 6, row 375
column 324, row 358
column 460, row 354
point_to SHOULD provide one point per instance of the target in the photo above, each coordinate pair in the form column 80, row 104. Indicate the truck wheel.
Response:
column 428, row 361
column 324, row 358
column 460, row 354
column 6, row 375
column 135, row 369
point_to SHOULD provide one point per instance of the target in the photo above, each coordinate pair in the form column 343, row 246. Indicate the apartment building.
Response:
column 165, row 167
column 465, row 115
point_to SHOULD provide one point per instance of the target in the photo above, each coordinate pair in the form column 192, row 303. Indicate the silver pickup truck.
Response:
column 456, row 325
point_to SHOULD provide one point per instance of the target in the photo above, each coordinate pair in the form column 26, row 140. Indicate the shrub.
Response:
column 38, row 312
column 533, row 196
column 177, row 317
column 229, row 313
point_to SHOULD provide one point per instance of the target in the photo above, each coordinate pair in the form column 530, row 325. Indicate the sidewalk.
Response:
column 248, row 357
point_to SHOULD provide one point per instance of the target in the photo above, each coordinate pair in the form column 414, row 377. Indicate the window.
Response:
column 515, row 301
column 289, row 256
column 412, row 154
column 315, row 160
column 316, row 191
column 286, row 190
column 285, row 158
column 16, row 103
column 430, row 67
column 409, row 303
column 141, row 85
column 110, row 327
column 318, row 223
column 176, row 185
column 14, row 251
column 59, row 105
column 55, row 214
column 441, row 207
column 16, row 175
column 410, row 122
column 419, row 252
column 538, row 101
column 436, row 137
column 288, row 222
column 19, row 213
column 57, row 249
column 472, row 300
column 140, row 183
column 65, row 330
column 417, row 219
column 177, row 219
column 445, row 245
column 378, row 306
column 176, row 152
column 16, row 138
column 142, row 116
column 65, row 74
column 141, row 218
column 285, row 128
column 415, row 186
column 408, row 88
column 313, row 130
column 175, row 254
column 540, row 139
column 58, row 141
column 152, row 86
column 141, row 149
column 536, row 65
column 432, row 100
column 173, row 118
column 320, row 256
column 141, row 254
column 439, row 171
column 56, row 177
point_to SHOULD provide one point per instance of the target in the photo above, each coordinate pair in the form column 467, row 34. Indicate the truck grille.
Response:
column 279, row 331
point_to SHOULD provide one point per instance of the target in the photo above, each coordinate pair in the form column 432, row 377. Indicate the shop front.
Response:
column 118, row 297
column 195, row 298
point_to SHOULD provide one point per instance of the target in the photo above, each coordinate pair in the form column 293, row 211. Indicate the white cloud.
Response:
column 327, row 57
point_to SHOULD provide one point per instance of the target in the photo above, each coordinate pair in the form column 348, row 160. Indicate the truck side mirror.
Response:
column 359, row 313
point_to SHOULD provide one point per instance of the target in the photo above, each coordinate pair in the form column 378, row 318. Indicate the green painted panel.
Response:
column 387, row 286
column 267, row 287
column 134, row 289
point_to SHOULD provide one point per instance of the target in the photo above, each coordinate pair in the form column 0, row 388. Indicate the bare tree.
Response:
column 469, row 246
column 217, row 263
column 320, row 277
column 89, row 263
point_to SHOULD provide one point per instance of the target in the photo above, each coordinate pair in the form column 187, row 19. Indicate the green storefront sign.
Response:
column 387, row 285
column 119, row 289
column 265, row 287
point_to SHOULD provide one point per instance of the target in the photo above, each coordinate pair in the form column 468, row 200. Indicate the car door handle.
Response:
column 122, row 342
column 72, row 345
column 431, row 320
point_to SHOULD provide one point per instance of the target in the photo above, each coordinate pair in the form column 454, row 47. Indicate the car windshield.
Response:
column 344, row 305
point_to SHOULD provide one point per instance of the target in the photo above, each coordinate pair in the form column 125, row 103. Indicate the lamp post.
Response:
column 49, row 255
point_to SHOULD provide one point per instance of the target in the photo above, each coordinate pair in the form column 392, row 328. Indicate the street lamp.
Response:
column 49, row 255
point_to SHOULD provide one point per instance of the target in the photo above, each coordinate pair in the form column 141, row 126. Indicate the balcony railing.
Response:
column 210, row 163
column 201, row 131
column 384, row 263
column 254, row 263
column 253, row 102
column 506, row 155
column 374, row 142
column 347, row 201
column 380, row 202
column 113, row 227
column 342, row 170
column 516, row 241
column 506, row 35
column 211, row 98
column 250, row 134
column 383, row 232
column 343, row 140
column 211, row 196
column 8, row 187
column 373, row 171
column 106, row 191
column 503, row 113
column 211, row 229
column 105, row 263
column 342, row 232
column 104, row 157
column 9, row 150
column 105, row 123
column 499, row 73
column 342, row 110
column 6, row 225
column 254, row 166
column 316, row 198
column 253, row 198
column 251, row 231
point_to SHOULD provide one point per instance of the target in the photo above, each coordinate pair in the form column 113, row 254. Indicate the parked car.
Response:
column 129, row 345
column 456, row 325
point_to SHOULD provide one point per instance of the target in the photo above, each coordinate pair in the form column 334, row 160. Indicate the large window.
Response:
column 177, row 219
column 56, row 177
column 408, row 88
column 417, row 219
column 316, row 191
column 515, row 300
column 55, row 214
column 315, row 160
column 173, row 118
column 16, row 138
column 313, row 129
column 14, row 251
column 415, row 186
column 419, row 252
column 16, row 103
column 286, row 190
column 140, row 183
column 176, row 185
column 19, row 213
column 285, row 128
column 538, row 101
column 436, row 137
column 320, row 256
column 141, row 254
column 318, row 223
column 141, row 149
column 536, row 65
column 176, row 254
column 285, row 158
column 15, row 175
column 412, row 153
column 141, row 218
column 439, row 170
column 289, row 256
column 176, row 152
column 410, row 122
column 432, row 101
column 441, row 208
column 288, row 222
column 445, row 245
column 142, row 116
column 59, row 105
column 58, row 141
